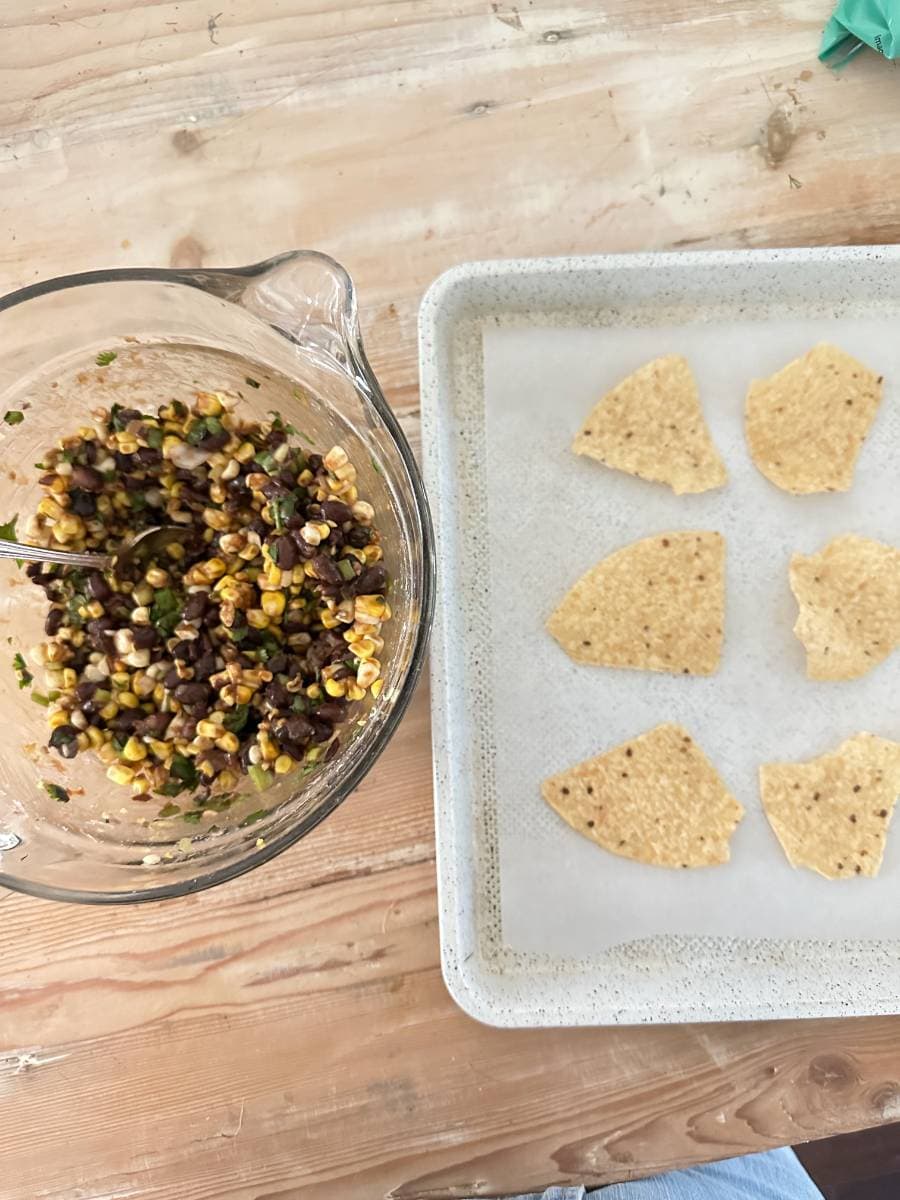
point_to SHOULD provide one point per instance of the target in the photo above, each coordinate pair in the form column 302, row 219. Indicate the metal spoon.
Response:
column 150, row 543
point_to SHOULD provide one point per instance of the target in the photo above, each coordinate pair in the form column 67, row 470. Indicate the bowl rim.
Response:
column 364, row 380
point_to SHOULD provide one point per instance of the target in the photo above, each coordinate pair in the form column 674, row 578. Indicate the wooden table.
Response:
column 288, row 1035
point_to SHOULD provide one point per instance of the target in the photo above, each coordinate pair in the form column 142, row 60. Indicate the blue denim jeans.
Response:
column 776, row 1175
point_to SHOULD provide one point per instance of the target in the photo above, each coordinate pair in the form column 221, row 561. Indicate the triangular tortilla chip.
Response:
column 651, row 425
column 849, row 598
column 831, row 814
column 656, row 799
column 806, row 425
column 656, row 605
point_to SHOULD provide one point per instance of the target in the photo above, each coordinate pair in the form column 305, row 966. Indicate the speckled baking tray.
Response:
column 539, row 927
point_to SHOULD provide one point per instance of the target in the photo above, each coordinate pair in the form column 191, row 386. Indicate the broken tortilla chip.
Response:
column 831, row 814
column 651, row 425
column 656, row 799
column 849, row 598
column 656, row 605
column 806, row 424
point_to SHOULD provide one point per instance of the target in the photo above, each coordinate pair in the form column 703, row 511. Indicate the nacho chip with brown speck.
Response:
column 831, row 814
column 656, row 605
column 651, row 425
column 806, row 424
column 656, row 799
column 849, row 598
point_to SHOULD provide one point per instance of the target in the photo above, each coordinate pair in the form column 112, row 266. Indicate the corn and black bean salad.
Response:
column 241, row 651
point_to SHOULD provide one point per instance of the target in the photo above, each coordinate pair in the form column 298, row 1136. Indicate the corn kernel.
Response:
column 49, row 508
column 214, row 568
column 57, row 718
column 376, row 687
column 217, row 493
column 372, row 554
column 313, row 754
column 328, row 619
column 314, row 691
column 335, row 687
column 216, row 519
column 273, row 603
column 108, row 711
column 68, row 527
column 368, row 672
column 69, row 678
column 227, row 779
column 120, row 774
column 159, row 693
column 336, row 457
column 157, row 577
column 363, row 648
column 128, row 700
column 363, row 512
column 207, row 728
column 245, row 452
column 95, row 736
column 243, row 693
column 95, row 609
column 175, row 551
column 354, row 691
column 284, row 764
column 229, row 742
column 209, row 404
column 257, row 619
column 134, row 751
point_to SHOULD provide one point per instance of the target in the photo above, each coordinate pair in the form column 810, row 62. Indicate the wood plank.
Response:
column 288, row 1034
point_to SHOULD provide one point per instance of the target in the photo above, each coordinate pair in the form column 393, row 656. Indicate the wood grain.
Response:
column 288, row 1036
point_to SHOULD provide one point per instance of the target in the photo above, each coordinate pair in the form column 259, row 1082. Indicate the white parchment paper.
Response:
column 550, row 517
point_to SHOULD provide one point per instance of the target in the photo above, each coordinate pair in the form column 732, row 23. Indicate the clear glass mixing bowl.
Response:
column 291, row 325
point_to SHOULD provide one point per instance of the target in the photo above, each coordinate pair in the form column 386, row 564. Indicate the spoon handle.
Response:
column 66, row 558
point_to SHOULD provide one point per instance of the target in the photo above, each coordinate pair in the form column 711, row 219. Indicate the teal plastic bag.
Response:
column 858, row 23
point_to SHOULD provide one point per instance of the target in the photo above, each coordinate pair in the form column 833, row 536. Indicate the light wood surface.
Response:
column 288, row 1036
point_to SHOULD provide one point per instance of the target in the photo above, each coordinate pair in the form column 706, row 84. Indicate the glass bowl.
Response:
column 290, row 326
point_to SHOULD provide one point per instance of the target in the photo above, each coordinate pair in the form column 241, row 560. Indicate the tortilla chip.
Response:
column 656, row 799
column 806, row 425
column 849, row 598
column 831, row 814
column 656, row 605
column 651, row 425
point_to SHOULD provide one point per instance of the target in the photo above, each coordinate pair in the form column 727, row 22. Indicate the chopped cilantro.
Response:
column 153, row 436
column 55, row 792
column 165, row 612
column 237, row 633
column 345, row 567
column 13, row 417
column 236, row 720
column 193, row 816
column 21, row 669
column 282, row 509
column 298, row 704
column 267, row 462
column 8, row 531
column 260, row 812
column 174, row 787
column 105, row 357
column 169, row 810
column 183, row 768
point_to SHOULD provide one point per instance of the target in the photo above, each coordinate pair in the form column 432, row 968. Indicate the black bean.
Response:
column 124, row 721
column 82, row 503
column 297, row 728
column 192, row 693
column 34, row 571
column 195, row 606
column 97, row 587
column 286, row 475
column 153, row 726
column 278, row 663
column 125, row 415
column 331, row 750
column 205, row 666
column 100, row 631
column 322, row 730
column 287, row 553
column 124, row 462
column 65, row 739
column 145, row 636
column 276, row 438
column 337, row 511
column 217, row 759
column 273, row 488
column 372, row 581
column 277, row 695
column 358, row 537
column 186, row 651
column 332, row 710
column 258, row 526
column 305, row 550
column 314, row 462
column 90, row 452
column 172, row 679
column 198, row 709
column 86, row 478
column 147, row 456
column 324, row 567
column 215, row 441
column 85, row 690
column 53, row 622
column 117, row 606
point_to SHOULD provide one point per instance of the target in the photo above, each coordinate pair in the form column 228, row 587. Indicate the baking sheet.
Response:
column 550, row 516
